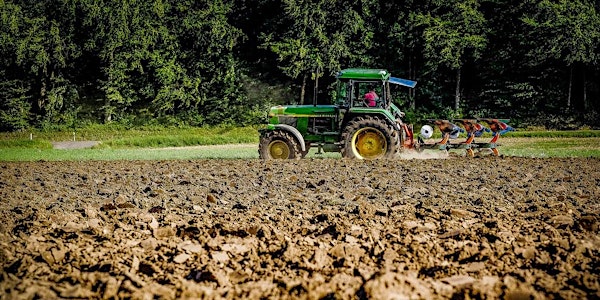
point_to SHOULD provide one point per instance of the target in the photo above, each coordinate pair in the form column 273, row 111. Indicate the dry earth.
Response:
column 512, row 228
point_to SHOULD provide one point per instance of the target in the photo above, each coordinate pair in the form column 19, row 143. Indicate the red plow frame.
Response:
column 472, row 127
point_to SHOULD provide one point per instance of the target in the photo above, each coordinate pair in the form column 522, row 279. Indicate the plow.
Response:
column 474, row 128
column 363, row 122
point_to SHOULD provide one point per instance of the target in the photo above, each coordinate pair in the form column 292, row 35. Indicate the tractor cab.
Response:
column 356, row 92
column 354, row 84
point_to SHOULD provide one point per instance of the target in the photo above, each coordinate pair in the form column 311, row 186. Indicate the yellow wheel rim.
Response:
column 369, row 143
column 279, row 149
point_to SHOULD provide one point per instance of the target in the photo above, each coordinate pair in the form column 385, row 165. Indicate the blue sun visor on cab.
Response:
column 403, row 82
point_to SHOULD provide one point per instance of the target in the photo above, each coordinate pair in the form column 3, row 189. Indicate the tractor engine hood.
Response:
column 300, row 111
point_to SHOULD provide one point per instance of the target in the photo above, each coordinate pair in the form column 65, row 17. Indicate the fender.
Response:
column 294, row 132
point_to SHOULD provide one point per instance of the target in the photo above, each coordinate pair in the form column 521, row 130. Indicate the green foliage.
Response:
column 562, row 120
column 319, row 37
column 69, row 63
column 565, row 30
column 14, row 106
column 452, row 31
column 37, row 47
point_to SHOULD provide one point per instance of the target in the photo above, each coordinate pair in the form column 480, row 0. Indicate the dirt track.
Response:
column 488, row 227
column 75, row 144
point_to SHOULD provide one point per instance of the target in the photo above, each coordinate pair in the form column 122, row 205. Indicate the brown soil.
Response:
column 512, row 228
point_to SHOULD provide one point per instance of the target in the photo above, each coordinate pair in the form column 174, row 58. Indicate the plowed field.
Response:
column 513, row 228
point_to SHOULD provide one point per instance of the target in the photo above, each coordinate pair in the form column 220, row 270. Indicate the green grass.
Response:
column 187, row 138
column 25, row 144
column 551, row 147
column 135, row 138
column 555, row 134
column 242, row 143
column 524, row 147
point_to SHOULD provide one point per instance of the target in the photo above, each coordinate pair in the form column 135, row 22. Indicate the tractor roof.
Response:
column 367, row 74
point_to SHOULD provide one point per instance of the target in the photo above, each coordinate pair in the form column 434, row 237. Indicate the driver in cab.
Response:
column 371, row 97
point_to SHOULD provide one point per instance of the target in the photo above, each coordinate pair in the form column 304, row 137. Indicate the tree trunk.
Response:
column 570, row 88
column 316, row 92
column 411, row 74
column 586, row 105
column 457, row 92
column 42, row 99
column 107, row 111
column 303, row 89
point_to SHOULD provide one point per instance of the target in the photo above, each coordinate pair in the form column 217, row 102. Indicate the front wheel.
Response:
column 278, row 144
column 369, row 138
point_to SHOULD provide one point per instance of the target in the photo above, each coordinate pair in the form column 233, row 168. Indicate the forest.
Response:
column 69, row 63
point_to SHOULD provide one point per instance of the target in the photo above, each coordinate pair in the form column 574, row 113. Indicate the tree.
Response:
column 128, row 38
column 37, row 49
column 454, row 32
column 161, row 58
column 397, row 42
column 321, row 36
column 211, row 61
column 208, row 42
column 567, row 31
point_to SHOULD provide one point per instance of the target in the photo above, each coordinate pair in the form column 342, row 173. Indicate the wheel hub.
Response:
column 279, row 149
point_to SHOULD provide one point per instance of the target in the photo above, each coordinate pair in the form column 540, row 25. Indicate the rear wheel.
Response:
column 278, row 144
column 369, row 138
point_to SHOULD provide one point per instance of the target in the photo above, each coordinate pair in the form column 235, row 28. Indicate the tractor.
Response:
column 358, row 126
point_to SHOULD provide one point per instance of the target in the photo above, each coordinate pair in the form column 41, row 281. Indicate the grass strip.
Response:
column 135, row 138
column 25, row 144
column 523, row 147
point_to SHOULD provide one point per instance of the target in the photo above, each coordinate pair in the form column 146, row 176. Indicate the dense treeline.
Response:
column 72, row 62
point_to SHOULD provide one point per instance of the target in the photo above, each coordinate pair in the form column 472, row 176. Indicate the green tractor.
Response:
column 357, row 125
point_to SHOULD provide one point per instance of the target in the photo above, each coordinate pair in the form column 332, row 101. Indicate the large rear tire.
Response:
column 370, row 138
column 278, row 144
